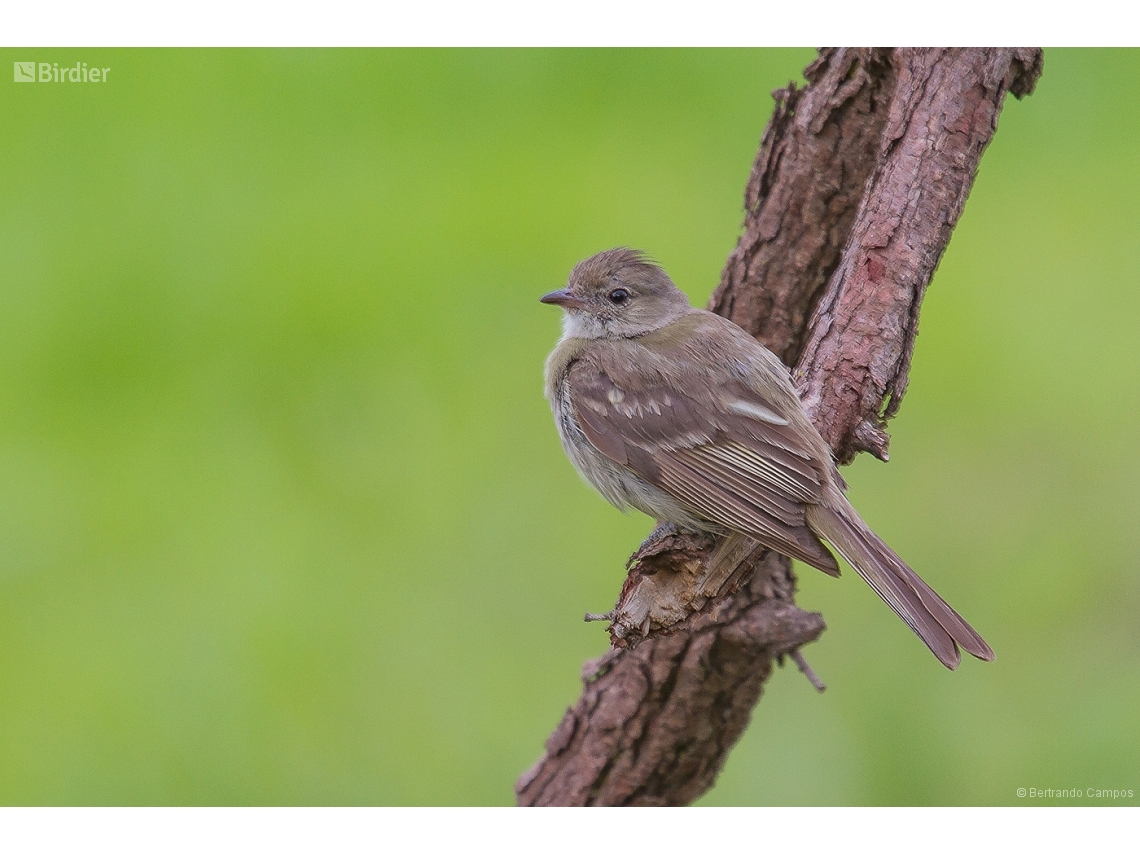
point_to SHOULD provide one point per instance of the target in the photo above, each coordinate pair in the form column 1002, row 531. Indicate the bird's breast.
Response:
column 618, row 485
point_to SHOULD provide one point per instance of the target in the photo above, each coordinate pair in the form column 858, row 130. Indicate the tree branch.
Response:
column 856, row 188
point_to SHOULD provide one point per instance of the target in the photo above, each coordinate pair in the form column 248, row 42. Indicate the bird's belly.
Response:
column 617, row 484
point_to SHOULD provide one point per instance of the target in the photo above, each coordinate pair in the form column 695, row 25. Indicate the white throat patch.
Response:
column 579, row 324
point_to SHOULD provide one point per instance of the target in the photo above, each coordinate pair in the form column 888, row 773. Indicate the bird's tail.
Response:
column 932, row 619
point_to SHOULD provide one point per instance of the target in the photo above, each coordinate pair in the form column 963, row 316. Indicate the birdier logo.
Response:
column 51, row 72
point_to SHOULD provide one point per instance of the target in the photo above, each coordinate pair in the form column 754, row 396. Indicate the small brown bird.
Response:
column 681, row 414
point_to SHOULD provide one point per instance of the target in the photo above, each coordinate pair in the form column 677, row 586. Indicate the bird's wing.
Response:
column 732, row 458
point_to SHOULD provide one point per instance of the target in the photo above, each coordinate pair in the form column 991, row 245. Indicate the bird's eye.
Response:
column 619, row 296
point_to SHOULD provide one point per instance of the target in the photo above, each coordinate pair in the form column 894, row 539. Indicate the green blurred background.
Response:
column 283, row 514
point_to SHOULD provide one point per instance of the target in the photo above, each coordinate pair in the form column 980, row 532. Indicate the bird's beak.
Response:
column 562, row 298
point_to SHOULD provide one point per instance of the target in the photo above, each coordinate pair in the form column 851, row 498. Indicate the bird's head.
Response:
column 618, row 293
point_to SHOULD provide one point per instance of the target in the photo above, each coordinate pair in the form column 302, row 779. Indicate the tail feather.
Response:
column 931, row 617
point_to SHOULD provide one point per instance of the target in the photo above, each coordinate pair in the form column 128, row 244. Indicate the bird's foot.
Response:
column 659, row 534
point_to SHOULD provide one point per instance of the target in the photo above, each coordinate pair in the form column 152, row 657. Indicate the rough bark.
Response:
column 856, row 188
column 853, row 370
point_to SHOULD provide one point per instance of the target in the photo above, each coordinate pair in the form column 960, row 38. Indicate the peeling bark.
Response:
column 859, row 181
column 853, row 371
